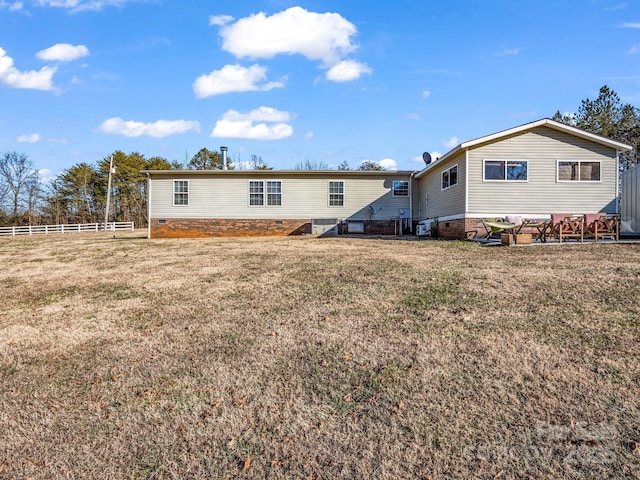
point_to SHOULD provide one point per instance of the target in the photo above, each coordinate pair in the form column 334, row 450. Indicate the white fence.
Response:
column 57, row 229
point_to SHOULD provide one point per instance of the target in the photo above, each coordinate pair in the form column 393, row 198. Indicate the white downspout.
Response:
column 618, row 181
column 148, row 205
column 411, row 202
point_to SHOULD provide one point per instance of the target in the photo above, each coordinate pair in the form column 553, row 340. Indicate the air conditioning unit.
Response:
column 421, row 230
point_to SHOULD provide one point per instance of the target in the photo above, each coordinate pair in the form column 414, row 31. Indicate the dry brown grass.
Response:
column 317, row 358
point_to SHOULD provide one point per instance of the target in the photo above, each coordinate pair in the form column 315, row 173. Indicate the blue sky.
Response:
column 324, row 80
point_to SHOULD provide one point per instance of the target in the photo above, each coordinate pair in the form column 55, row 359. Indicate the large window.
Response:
column 400, row 188
column 257, row 193
column 336, row 194
column 450, row 177
column 578, row 171
column 181, row 192
column 505, row 170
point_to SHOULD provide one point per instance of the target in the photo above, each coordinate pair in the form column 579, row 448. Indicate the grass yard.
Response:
column 306, row 358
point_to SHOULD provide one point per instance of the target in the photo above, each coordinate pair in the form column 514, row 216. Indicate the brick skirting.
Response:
column 461, row 229
column 216, row 227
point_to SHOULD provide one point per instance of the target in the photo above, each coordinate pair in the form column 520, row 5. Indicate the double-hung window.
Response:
column 181, row 192
column 336, row 193
column 450, row 177
column 257, row 197
column 256, row 193
column 400, row 188
column 506, row 170
column 578, row 171
column 274, row 192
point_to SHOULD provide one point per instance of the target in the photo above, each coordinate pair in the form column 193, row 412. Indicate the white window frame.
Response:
column 405, row 191
column 186, row 194
column 578, row 180
column 264, row 193
column 267, row 193
column 506, row 166
column 448, row 172
column 330, row 193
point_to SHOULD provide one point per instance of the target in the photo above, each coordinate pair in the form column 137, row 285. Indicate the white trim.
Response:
column 266, row 193
column 617, row 181
column 466, row 180
column 455, row 165
column 545, row 122
column 149, row 206
column 506, row 165
column 249, row 193
column 578, row 180
column 329, row 193
column 173, row 193
column 393, row 190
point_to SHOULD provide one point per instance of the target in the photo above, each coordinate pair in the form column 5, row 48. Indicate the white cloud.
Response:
column 63, row 52
column 634, row 50
column 159, row 129
column 234, row 124
column 46, row 175
column 629, row 25
column 508, row 52
column 31, row 138
column 388, row 164
column 12, row 6
column 36, row 80
column 234, row 78
column 347, row 70
column 260, row 114
column 81, row 5
column 426, row 94
column 220, row 19
column 413, row 116
column 309, row 135
column 452, row 142
column 316, row 36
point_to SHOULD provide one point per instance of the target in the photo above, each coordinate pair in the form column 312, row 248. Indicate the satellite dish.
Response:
column 426, row 156
column 372, row 211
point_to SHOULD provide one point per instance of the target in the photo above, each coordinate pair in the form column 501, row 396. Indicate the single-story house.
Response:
column 199, row 203
column 531, row 170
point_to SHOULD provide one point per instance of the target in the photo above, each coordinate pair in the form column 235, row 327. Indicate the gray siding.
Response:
column 630, row 202
column 436, row 202
column 542, row 193
column 227, row 197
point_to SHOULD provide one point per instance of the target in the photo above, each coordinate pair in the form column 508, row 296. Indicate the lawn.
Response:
column 126, row 358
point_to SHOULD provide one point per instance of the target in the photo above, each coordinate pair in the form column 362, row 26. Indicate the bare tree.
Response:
column 15, row 170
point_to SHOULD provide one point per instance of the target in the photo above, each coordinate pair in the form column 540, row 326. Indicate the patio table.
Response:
column 541, row 227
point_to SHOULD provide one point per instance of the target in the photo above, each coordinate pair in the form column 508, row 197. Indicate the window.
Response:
column 181, row 192
column 256, row 193
column 450, row 177
column 506, row 170
column 578, row 171
column 274, row 192
column 400, row 188
column 336, row 194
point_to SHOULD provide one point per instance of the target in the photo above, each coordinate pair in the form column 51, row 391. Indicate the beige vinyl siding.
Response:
column 436, row 202
column 227, row 196
column 541, row 193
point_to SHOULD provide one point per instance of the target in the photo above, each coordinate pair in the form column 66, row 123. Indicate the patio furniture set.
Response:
column 561, row 226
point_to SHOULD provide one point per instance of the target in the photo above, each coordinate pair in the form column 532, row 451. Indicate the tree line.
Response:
column 79, row 193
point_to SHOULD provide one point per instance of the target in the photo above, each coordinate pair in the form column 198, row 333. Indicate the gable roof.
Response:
column 545, row 122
